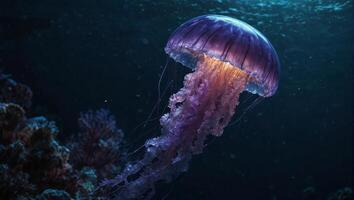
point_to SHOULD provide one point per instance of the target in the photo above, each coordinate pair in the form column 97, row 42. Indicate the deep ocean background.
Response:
column 80, row 55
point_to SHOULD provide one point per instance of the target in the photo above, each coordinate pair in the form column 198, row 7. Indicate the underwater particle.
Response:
column 145, row 41
column 227, row 57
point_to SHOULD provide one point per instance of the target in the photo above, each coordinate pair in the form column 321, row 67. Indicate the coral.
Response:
column 48, row 194
column 11, row 91
column 87, row 183
column 342, row 194
column 100, row 143
column 31, row 160
column 309, row 193
column 34, row 166
column 14, row 182
column 51, row 194
column 10, row 116
column 48, row 160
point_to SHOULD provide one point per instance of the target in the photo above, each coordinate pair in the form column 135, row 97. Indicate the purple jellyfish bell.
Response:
column 227, row 57
column 228, row 40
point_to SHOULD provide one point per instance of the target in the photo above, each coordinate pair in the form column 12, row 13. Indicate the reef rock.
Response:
column 11, row 91
column 31, row 160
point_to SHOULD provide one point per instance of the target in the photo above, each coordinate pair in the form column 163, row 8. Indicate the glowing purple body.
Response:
column 228, row 57
column 229, row 40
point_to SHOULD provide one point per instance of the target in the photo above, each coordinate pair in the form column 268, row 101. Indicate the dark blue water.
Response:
column 79, row 55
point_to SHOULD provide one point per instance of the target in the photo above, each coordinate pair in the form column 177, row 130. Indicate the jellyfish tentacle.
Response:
column 203, row 107
column 228, row 56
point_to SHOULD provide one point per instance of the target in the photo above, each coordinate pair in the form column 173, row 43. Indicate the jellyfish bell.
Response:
column 227, row 57
column 228, row 40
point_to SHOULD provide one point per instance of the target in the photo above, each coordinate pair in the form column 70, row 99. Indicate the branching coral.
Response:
column 99, row 144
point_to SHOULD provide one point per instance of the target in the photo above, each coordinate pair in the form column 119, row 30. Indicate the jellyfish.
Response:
column 227, row 56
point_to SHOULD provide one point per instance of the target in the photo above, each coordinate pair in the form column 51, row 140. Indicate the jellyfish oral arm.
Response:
column 204, row 106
